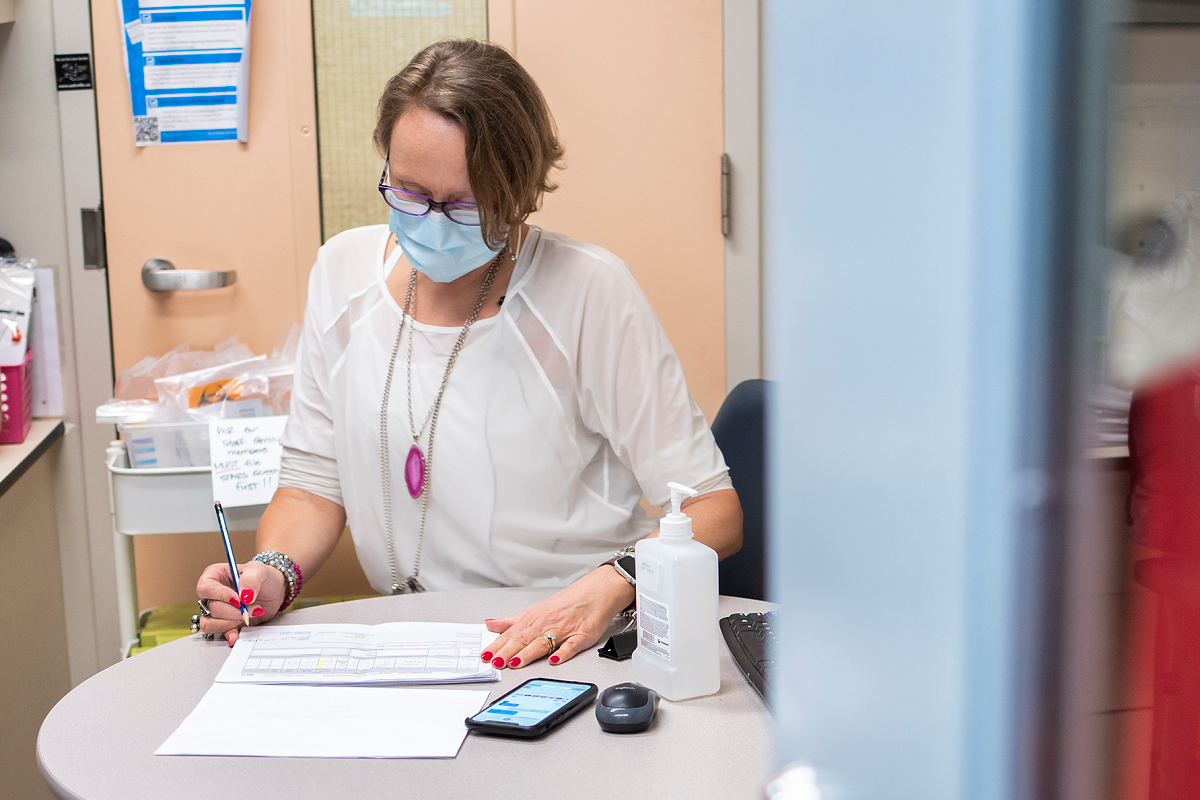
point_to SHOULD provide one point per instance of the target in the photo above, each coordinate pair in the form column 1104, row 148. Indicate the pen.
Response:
column 232, row 563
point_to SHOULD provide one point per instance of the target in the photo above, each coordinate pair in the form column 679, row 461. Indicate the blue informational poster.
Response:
column 189, row 68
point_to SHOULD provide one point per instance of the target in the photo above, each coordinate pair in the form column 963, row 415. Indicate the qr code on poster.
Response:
column 145, row 130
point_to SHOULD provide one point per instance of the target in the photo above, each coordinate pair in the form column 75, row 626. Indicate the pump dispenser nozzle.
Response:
column 677, row 524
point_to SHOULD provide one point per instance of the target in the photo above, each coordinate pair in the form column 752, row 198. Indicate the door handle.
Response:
column 92, row 222
column 160, row 275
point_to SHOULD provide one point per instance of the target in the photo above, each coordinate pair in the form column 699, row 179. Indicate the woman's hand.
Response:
column 263, row 589
column 577, row 616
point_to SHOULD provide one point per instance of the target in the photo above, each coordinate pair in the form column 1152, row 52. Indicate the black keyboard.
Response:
column 751, row 643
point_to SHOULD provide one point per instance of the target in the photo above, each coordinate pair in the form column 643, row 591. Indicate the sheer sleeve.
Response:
column 632, row 388
column 309, row 456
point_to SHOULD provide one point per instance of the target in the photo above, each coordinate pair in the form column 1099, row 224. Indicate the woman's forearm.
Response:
column 303, row 526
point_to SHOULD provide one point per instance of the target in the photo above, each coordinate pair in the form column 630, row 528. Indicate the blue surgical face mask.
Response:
column 440, row 247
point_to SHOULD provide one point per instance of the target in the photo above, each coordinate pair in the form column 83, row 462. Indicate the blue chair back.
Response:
column 740, row 431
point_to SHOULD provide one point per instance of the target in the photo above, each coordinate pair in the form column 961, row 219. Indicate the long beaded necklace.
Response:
column 419, row 466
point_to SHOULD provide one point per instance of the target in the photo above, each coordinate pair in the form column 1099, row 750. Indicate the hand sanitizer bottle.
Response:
column 678, row 622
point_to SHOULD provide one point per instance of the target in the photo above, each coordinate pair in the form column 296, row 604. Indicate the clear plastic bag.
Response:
column 16, row 306
column 237, row 389
column 137, row 382
column 280, row 391
column 134, row 412
column 281, row 368
column 162, row 405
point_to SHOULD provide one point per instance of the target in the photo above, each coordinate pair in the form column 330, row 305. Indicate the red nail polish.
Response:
column 497, row 662
column 247, row 595
column 258, row 612
column 233, row 601
column 514, row 662
column 485, row 656
column 554, row 659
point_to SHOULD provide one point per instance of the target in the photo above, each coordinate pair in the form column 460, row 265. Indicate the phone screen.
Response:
column 532, row 703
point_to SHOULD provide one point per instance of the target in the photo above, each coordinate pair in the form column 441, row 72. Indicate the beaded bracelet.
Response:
column 299, row 583
column 291, row 574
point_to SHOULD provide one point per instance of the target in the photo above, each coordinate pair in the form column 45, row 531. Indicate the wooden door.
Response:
column 249, row 207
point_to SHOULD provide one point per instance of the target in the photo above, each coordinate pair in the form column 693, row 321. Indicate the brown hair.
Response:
column 512, row 143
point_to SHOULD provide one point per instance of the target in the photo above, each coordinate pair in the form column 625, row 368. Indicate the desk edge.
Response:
column 10, row 480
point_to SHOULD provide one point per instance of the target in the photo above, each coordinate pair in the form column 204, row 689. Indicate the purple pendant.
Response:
column 414, row 471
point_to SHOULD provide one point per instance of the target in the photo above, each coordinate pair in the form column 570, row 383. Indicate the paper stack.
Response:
column 343, row 654
column 339, row 703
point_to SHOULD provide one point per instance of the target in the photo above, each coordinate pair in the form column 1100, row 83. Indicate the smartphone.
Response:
column 533, row 708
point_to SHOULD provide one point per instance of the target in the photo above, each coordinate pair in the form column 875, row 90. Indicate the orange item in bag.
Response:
column 215, row 392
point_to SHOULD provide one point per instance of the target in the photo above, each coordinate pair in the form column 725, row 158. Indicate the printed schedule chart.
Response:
column 399, row 652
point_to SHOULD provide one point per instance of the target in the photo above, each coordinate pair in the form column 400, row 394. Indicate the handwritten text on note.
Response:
column 245, row 459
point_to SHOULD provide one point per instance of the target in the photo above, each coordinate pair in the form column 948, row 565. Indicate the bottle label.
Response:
column 647, row 574
column 654, row 627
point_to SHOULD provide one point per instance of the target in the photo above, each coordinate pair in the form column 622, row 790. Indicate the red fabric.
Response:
column 1164, row 445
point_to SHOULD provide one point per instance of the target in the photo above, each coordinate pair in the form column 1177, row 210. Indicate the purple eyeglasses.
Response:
column 418, row 205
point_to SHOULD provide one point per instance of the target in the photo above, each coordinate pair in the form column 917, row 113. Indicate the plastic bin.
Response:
column 16, row 401
column 168, row 499
column 158, row 445
column 158, row 500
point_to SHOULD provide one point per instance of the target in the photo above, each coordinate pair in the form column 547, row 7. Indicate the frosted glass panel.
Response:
column 359, row 45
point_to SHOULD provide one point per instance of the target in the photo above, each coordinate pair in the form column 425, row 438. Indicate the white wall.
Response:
column 31, row 179
column 49, row 169
column 743, row 245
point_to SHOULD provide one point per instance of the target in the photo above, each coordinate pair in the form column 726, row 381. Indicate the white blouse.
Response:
column 560, row 412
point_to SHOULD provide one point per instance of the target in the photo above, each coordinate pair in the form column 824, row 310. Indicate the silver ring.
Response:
column 203, row 603
column 209, row 636
column 549, row 637
column 196, row 624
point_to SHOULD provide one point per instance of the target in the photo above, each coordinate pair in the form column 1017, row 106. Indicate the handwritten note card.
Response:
column 245, row 459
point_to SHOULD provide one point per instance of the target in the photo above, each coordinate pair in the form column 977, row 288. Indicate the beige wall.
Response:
column 636, row 89
column 34, row 672
column 1156, row 123
column 168, row 566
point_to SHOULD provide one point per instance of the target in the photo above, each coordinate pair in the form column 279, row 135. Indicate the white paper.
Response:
column 134, row 30
column 16, row 307
column 326, row 722
column 337, row 653
column 47, row 360
column 245, row 459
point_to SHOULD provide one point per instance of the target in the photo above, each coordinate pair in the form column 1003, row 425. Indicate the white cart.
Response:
column 145, row 502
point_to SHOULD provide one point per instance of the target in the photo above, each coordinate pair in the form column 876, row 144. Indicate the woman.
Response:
column 528, row 363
